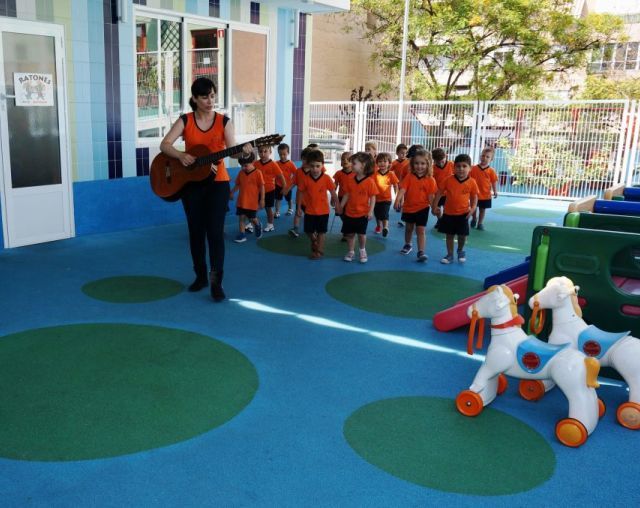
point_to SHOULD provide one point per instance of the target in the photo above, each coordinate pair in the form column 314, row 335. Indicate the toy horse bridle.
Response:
column 538, row 316
column 478, row 322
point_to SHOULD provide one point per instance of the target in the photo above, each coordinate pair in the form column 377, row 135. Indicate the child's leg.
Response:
column 450, row 240
column 362, row 240
column 270, row 215
column 481, row 215
column 312, row 241
column 421, row 238
column 461, row 241
column 351, row 242
column 241, row 220
column 385, row 224
column 408, row 232
column 277, row 206
column 320, row 243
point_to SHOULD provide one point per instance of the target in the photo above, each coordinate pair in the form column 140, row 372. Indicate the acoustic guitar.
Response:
column 168, row 176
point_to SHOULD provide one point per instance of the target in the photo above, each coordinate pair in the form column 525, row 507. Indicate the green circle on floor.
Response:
column 499, row 236
column 285, row 244
column 425, row 441
column 132, row 289
column 91, row 391
column 406, row 294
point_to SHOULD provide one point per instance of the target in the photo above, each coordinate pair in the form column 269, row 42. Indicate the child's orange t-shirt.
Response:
column 419, row 191
column 360, row 192
column 384, row 183
column 288, row 169
column 340, row 179
column 484, row 178
column 315, row 191
column 400, row 168
column 459, row 193
column 269, row 171
column 442, row 173
column 298, row 180
column 249, row 185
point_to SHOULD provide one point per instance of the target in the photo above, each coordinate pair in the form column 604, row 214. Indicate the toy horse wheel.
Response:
column 628, row 415
column 571, row 432
column 503, row 384
column 531, row 389
column 469, row 403
column 602, row 408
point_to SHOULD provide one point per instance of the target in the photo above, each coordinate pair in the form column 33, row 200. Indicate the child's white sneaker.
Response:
column 363, row 256
column 268, row 228
column 349, row 256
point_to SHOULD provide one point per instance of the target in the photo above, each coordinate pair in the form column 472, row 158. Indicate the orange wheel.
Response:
column 469, row 403
column 503, row 384
column 602, row 408
column 628, row 415
column 571, row 432
column 531, row 389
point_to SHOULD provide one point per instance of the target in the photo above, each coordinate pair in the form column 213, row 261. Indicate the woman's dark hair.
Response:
column 201, row 87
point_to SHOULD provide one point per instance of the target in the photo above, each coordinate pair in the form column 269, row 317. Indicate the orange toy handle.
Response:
column 536, row 322
column 479, row 322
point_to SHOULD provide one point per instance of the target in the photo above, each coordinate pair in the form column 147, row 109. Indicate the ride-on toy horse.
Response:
column 618, row 350
column 514, row 353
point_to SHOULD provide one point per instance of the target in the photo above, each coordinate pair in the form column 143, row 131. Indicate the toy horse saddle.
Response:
column 533, row 354
column 595, row 342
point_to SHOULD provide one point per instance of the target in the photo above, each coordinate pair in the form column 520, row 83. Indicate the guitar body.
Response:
column 168, row 176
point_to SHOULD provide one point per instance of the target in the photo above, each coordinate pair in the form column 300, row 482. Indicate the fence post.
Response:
column 623, row 142
column 634, row 142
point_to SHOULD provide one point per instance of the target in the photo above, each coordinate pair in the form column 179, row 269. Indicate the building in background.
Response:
column 88, row 88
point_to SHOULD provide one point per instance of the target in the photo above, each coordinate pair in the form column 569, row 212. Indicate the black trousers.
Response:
column 205, row 205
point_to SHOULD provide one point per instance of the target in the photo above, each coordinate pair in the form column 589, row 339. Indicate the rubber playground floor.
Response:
column 316, row 383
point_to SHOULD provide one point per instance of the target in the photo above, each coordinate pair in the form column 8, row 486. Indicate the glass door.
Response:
column 36, row 198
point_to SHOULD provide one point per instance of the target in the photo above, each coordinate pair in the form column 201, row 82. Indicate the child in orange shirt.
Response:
column 288, row 169
column 400, row 166
column 442, row 169
column 487, row 180
column 358, row 203
column 271, row 173
column 385, row 180
column 341, row 176
column 415, row 198
column 251, row 196
column 315, row 186
column 298, row 178
column 462, row 198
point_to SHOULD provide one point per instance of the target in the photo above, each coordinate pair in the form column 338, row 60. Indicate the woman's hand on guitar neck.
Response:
column 247, row 148
column 186, row 159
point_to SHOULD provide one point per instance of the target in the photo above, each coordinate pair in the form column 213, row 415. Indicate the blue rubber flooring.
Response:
column 318, row 361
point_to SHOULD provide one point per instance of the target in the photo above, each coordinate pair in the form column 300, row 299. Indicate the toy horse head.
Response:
column 555, row 294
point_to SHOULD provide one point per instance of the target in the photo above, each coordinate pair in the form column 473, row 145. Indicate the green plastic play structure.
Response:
column 598, row 261
column 603, row 221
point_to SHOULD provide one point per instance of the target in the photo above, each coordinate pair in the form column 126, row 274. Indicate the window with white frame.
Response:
column 173, row 51
column 616, row 57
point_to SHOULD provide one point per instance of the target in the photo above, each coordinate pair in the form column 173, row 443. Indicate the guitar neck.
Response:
column 215, row 157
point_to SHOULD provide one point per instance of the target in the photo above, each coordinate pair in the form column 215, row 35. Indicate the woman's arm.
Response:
column 230, row 140
column 166, row 145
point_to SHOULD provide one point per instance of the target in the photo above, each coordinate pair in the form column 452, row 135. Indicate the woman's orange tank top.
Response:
column 212, row 138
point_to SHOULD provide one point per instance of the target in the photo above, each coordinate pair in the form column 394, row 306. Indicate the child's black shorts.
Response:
column 269, row 199
column 484, row 203
column 418, row 218
column 249, row 214
column 316, row 223
column 280, row 196
column 454, row 225
column 442, row 201
column 381, row 210
column 354, row 225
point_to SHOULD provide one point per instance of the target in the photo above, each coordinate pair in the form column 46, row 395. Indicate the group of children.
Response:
column 364, row 189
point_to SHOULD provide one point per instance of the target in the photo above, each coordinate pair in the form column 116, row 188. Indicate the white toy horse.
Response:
column 618, row 350
column 514, row 353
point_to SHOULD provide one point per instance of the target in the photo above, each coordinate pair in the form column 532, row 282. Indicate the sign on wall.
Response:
column 33, row 89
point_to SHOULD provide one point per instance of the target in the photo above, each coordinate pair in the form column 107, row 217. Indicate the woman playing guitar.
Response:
column 205, row 202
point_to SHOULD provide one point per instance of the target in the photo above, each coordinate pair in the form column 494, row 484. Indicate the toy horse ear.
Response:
column 516, row 297
column 576, row 289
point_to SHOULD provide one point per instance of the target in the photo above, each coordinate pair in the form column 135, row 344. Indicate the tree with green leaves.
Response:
column 602, row 87
column 482, row 49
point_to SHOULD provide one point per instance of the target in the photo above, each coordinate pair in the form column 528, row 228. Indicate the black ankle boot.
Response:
column 217, row 293
column 201, row 282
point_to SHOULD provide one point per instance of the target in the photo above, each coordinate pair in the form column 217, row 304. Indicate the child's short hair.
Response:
column 488, row 149
column 260, row 147
column 304, row 153
column 366, row 160
column 247, row 159
column 401, row 146
column 384, row 156
column 313, row 145
column 346, row 155
column 463, row 157
column 283, row 146
column 422, row 152
column 412, row 150
column 315, row 156
column 371, row 144
column 438, row 154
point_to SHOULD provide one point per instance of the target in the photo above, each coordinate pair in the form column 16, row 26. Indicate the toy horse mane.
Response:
column 513, row 305
column 571, row 290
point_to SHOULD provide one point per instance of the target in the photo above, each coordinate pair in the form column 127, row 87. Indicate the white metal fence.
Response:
column 560, row 149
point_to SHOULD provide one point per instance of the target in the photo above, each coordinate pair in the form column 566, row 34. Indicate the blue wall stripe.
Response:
column 284, row 83
column 112, row 87
column 297, row 131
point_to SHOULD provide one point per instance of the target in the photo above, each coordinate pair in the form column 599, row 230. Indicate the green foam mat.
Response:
column 301, row 246
column 132, row 289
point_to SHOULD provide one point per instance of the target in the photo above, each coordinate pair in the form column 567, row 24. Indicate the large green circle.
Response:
column 132, row 289
column 101, row 390
column 400, row 293
column 500, row 236
column 284, row 244
column 426, row 441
